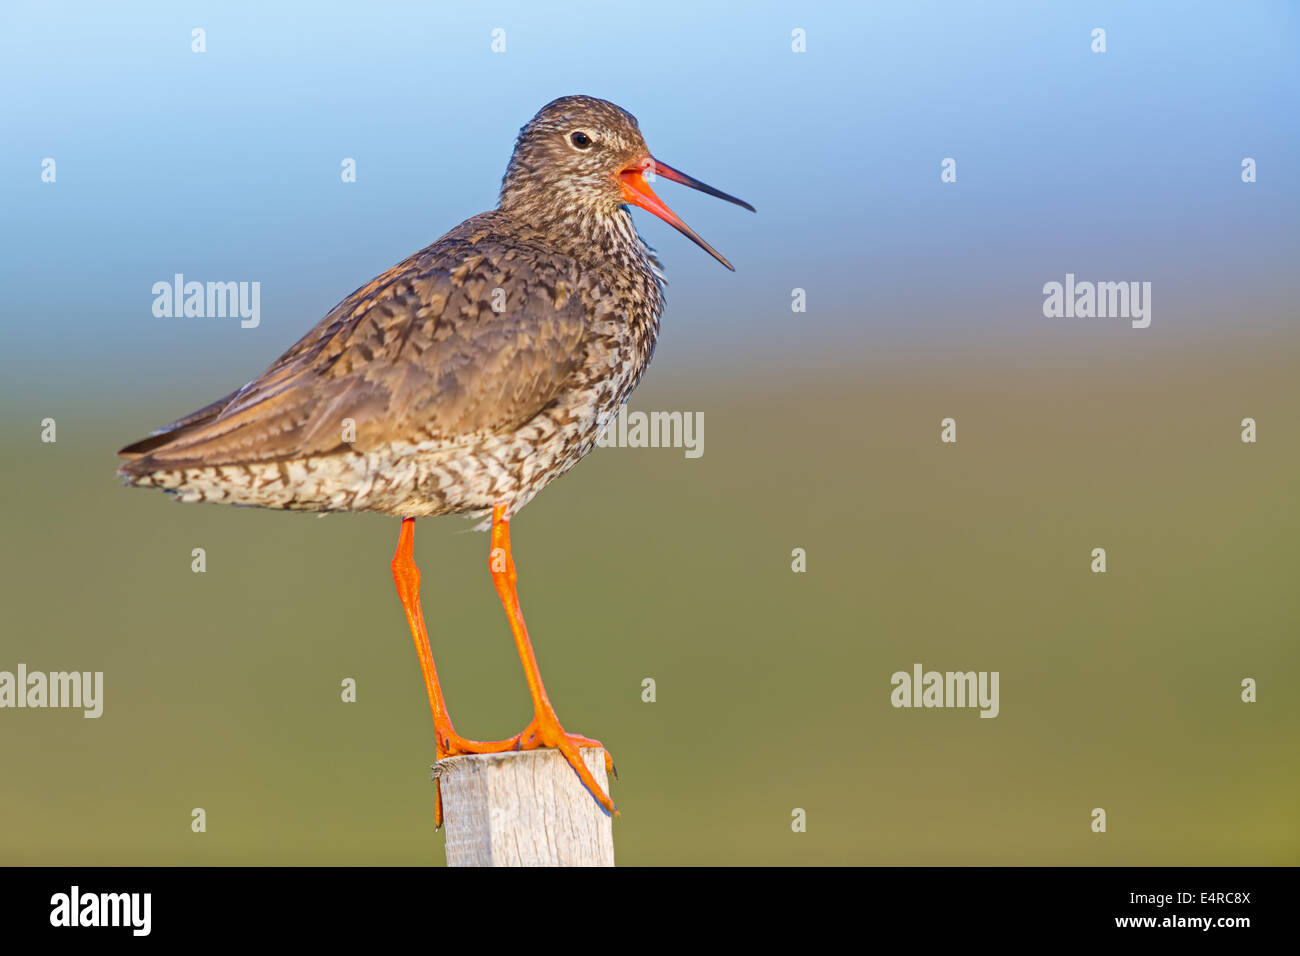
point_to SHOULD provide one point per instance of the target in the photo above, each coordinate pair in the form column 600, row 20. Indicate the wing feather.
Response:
column 416, row 354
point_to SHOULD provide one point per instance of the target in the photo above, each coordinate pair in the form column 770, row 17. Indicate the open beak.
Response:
column 637, row 191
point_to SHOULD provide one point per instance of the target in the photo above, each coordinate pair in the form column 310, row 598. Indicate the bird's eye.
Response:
column 580, row 140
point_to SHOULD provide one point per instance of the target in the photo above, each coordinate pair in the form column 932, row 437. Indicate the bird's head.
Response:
column 582, row 157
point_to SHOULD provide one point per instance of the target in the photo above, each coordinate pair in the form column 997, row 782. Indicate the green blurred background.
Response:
column 1118, row 690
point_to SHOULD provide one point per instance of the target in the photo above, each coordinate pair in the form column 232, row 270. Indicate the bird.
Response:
column 461, row 381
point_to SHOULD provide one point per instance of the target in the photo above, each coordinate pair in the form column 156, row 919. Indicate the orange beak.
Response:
column 637, row 191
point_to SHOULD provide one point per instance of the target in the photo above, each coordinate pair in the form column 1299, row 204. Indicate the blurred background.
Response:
column 924, row 301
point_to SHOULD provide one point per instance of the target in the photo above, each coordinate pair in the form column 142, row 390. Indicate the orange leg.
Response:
column 448, row 743
column 545, row 729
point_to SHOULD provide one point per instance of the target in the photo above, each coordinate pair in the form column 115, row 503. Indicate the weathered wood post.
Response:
column 525, row 808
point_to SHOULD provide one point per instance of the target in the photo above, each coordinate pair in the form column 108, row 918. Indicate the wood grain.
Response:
column 524, row 808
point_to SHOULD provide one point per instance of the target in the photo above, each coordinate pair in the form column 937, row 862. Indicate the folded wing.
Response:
column 465, row 338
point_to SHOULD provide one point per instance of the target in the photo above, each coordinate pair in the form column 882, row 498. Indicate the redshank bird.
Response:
column 462, row 380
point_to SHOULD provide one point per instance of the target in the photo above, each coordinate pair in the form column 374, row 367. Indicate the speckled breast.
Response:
column 624, row 307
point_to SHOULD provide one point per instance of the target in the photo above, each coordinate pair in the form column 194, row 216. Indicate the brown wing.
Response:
column 418, row 353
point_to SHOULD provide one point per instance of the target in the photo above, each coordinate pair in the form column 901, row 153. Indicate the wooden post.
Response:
column 524, row 808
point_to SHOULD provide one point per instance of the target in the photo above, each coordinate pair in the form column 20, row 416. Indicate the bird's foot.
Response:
column 448, row 743
column 543, row 731
column 454, row 745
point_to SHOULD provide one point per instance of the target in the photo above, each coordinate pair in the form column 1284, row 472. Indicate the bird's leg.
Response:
column 447, row 743
column 545, row 729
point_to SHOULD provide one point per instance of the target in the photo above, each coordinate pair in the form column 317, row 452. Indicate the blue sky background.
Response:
column 225, row 166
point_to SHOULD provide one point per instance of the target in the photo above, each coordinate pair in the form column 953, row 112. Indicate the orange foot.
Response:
column 543, row 731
